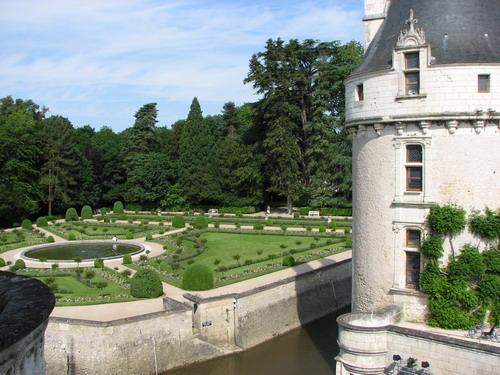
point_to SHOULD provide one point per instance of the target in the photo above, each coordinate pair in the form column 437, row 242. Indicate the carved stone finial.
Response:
column 413, row 36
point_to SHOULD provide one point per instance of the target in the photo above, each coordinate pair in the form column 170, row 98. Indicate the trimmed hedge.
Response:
column 98, row 263
column 118, row 207
column 198, row 277
column 86, row 212
column 201, row 222
column 71, row 214
column 178, row 222
column 146, row 284
column 237, row 210
column 127, row 259
column 288, row 261
column 42, row 222
column 26, row 224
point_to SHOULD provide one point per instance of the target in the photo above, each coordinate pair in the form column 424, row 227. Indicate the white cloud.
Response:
column 61, row 51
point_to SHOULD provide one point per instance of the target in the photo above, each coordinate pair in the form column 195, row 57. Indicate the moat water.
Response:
column 308, row 350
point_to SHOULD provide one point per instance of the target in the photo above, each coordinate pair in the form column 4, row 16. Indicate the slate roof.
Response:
column 458, row 31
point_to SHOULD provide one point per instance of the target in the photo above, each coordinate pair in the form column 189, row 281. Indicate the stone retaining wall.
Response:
column 198, row 330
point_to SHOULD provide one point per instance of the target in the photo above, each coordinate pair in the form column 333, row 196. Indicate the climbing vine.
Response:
column 462, row 293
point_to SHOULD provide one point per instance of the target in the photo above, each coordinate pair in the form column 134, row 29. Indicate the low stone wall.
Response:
column 201, row 329
column 368, row 342
column 446, row 355
column 25, row 305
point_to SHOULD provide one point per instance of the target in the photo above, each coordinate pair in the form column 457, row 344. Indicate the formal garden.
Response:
column 234, row 255
column 22, row 237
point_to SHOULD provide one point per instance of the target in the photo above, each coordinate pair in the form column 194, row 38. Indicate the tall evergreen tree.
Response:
column 196, row 147
column 60, row 163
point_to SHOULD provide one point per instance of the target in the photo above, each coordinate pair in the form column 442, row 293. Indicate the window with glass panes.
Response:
column 413, row 238
column 412, row 73
column 412, row 269
column 414, row 168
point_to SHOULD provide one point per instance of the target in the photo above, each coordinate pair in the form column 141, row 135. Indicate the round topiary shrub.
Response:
column 200, row 222
column 50, row 239
column 288, row 261
column 149, row 237
column 20, row 265
column 127, row 259
column 71, row 214
column 98, row 263
column 86, row 212
column 2, row 262
column 26, row 224
column 146, row 284
column 198, row 277
column 118, row 207
column 178, row 222
column 42, row 222
column 71, row 236
column 322, row 229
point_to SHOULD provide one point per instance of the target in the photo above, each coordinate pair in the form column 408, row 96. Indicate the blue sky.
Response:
column 97, row 61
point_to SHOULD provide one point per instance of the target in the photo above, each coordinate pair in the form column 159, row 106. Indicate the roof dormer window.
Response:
column 412, row 73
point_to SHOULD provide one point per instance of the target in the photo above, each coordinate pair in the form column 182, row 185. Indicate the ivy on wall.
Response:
column 467, row 290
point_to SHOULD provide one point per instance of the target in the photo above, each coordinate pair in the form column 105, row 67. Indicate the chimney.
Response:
column 375, row 13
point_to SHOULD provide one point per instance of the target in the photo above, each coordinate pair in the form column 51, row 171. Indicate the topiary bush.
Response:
column 198, row 277
column 98, row 263
column 86, row 212
column 71, row 236
column 26, row 224
column 127, row 259
column 146, row 284
column 129, row 236
column 201, row 222
column 118, row 207
column 71, row 214
column 178, row 222
column 20, row 265
column 2, row 262
column 288, row 261
column 348, row 243
column 50, row 239
column 42, row 222
column 149, row 237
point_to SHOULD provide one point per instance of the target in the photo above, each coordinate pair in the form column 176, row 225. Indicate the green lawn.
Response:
column 92, row 230
column 10, row 240
column 72, row 290
column 237, row 256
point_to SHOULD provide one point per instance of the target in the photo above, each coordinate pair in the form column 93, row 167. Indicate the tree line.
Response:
column 291, row 145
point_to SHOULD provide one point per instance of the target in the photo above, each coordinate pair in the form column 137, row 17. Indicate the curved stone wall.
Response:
column 25, row 306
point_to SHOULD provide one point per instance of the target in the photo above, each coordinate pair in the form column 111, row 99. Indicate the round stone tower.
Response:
column 424, row 112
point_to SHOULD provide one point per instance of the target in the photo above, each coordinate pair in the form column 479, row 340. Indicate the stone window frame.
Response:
column 401, row 194
column 413, row 251
column 399, row 65
column 409, row 165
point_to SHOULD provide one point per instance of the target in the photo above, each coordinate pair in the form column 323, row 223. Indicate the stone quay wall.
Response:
column 200, row 329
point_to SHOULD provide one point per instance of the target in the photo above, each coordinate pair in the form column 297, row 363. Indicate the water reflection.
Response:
column 307, row 350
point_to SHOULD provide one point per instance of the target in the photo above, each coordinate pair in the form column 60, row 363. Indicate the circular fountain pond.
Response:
column 85, row 250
